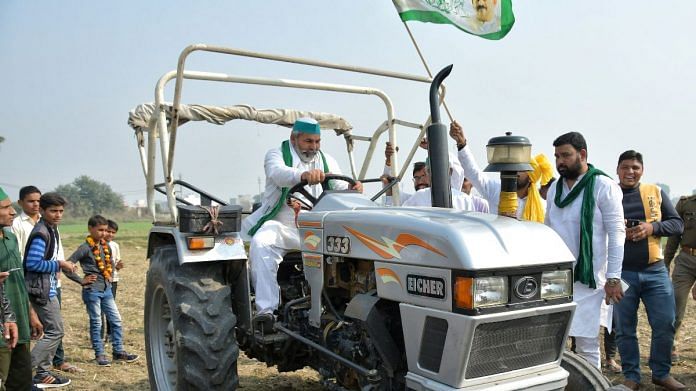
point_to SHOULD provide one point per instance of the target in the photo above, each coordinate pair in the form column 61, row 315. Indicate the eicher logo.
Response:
column 425, row 286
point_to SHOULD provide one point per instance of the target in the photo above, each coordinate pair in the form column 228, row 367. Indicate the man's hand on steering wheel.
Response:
column 313, row 177
column 308, row 199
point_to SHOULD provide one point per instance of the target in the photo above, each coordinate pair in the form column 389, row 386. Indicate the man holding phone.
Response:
column 649, row 216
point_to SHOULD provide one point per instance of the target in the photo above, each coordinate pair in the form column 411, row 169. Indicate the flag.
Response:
column 490, row 19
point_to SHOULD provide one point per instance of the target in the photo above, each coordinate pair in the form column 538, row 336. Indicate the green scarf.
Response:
column 583, row 268
column 287, row 159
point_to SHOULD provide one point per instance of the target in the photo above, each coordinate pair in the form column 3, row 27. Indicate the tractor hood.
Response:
column 435, row 237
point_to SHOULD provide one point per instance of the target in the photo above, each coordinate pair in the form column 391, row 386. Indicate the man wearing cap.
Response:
column 530, row 205
column 15, row 356
column 271, row 228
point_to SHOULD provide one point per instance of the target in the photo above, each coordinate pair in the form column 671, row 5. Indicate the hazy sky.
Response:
column 620, row 72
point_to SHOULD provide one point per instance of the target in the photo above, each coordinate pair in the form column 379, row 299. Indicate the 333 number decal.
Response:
column 337, row 244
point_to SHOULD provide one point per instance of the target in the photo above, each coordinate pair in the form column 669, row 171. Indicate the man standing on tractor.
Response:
column 272, row 229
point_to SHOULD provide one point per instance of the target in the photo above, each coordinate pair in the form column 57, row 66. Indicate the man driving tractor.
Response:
column 271, row 229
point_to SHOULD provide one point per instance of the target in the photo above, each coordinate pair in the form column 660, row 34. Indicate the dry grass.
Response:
column 253, row 374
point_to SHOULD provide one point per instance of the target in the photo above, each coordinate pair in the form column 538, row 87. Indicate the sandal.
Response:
column 69, row 368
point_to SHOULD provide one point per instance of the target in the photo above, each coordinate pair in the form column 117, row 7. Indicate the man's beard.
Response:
column 570, row 172
column 421, row 186
column 305, row 156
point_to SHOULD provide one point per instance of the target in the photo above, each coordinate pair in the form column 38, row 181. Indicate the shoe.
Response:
column 69, row 368
column 49, row 380
column 631, row 385
column 102, row 361
column 612, row 366
column 264, row 323
column 125, row 357
column 669, row 383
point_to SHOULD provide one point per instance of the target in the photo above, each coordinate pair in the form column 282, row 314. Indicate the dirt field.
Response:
column 253, row 375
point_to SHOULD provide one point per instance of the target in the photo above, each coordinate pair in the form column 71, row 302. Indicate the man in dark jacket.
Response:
column 41, row 264
column 649, row 216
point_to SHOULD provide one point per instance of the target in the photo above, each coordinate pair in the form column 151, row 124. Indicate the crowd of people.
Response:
column 613, row 229
column 32, row 263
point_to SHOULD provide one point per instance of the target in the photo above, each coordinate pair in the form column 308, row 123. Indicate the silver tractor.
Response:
column 377, row 298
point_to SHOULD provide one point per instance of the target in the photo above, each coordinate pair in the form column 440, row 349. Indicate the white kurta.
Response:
column 608, row 235
column 423, row 197
column 279, row 235
column 456, row 181
column 489, row 188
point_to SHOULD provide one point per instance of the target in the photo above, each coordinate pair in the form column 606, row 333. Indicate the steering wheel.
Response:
column 300, row 188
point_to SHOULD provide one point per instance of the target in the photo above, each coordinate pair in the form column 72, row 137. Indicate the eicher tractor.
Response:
column 377, row 298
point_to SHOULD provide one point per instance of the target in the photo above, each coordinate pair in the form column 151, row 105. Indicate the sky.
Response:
column 619, row 72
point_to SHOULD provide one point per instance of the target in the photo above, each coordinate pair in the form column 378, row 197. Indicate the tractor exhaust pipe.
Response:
column 438, row 158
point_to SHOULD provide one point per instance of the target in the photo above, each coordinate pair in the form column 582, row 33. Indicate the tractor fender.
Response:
column 228, row 246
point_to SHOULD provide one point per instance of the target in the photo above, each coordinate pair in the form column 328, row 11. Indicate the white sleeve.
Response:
column 609, row 199
column 278, row 172
column 489, row 188
column 19, row 233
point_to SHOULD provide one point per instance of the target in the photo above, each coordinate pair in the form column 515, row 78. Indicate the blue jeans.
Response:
column 98, row 302
column 654, row 288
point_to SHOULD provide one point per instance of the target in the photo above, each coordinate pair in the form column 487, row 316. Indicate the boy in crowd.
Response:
column 111, row 230
column 94, row 256
column 42, row 261
column 29, row 197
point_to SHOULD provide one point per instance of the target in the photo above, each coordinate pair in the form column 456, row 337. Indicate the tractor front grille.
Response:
column 505, row 346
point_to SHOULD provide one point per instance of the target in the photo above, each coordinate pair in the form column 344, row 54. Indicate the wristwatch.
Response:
column 613, row 281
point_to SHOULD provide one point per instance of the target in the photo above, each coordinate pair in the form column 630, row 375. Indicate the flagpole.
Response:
column 427, row 68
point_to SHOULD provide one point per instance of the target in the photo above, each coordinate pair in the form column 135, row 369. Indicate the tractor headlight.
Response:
column 557, row 283
column 476, row 292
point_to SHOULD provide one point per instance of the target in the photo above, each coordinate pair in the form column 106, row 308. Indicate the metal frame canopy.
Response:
column 161, row 119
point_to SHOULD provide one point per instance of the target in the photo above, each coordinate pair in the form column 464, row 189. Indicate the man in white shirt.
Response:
column 271, row 228
column 22, row 225
column 423, row 197
column 421, row 181
column 585, row 210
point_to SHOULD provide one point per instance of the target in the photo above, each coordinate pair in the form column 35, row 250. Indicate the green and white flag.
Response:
column 490, row 19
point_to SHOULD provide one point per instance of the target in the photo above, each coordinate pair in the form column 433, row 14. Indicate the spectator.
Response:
column 684, row 273
column 94, row 255
column 111, row 230
column 650, row 216
column 41, row 264
column 15, row 361
column 29, row 197
column 586, row 212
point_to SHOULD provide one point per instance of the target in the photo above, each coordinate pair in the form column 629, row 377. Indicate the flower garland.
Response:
column 104, row 265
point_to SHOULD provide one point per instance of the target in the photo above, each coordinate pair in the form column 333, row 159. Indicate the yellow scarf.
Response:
column 542, row 171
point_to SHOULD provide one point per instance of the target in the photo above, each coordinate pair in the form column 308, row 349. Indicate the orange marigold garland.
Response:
column 104, row 265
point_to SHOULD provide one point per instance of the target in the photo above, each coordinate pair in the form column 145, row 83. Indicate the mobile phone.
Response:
column 630, row 223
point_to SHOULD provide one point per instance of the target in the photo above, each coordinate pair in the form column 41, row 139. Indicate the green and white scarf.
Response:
column 583, row 267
